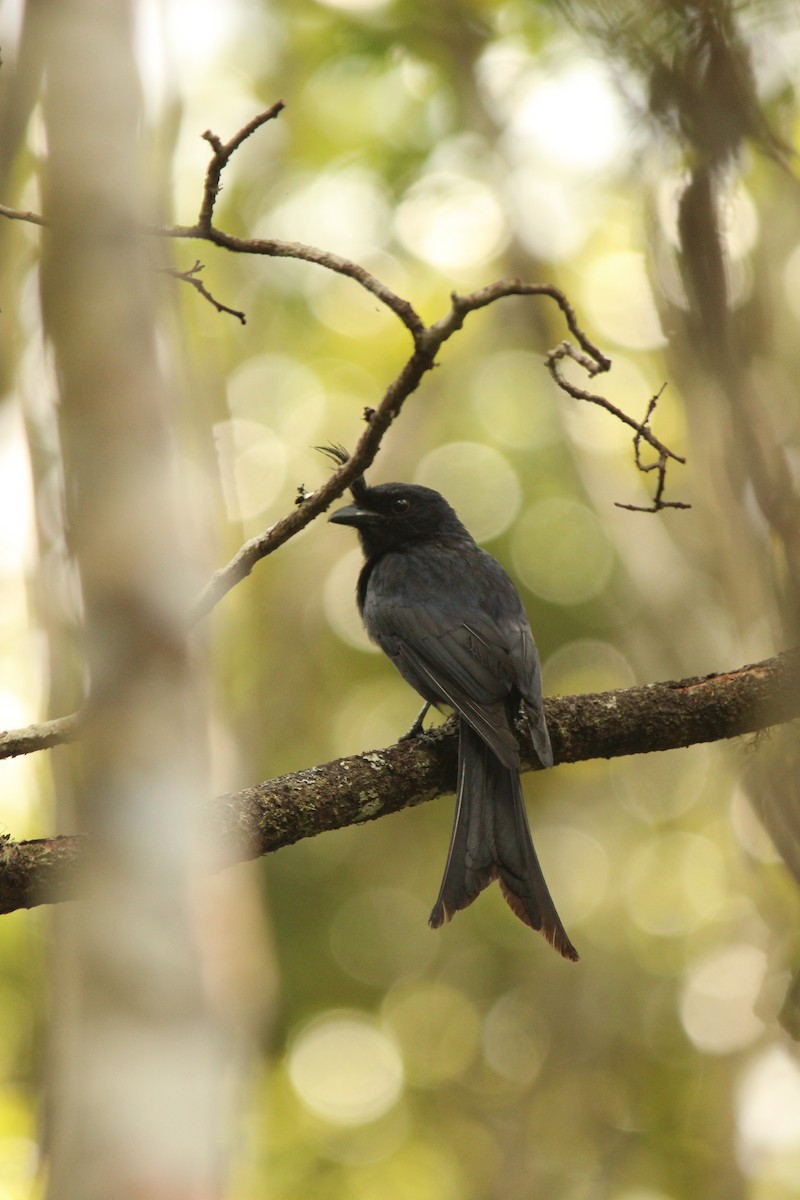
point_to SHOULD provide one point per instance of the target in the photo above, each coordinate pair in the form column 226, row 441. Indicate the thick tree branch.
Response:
column 349, row 791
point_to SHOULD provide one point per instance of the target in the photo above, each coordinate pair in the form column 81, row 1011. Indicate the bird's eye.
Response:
column 401, row 504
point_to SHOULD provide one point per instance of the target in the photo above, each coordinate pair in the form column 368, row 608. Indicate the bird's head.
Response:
column 394, row 514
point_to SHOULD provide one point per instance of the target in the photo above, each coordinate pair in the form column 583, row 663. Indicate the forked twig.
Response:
column 427, row 342
column 190, row 277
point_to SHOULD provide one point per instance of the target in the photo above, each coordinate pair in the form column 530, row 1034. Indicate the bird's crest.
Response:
column 338, row 455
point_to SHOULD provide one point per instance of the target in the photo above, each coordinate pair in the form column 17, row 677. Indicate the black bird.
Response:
column 452, row 622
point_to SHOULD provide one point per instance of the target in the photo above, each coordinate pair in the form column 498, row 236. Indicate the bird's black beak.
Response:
column 351, row 515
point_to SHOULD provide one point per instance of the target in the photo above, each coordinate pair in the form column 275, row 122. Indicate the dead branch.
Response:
column 39, row 737
column 191, row 277
column 427, row 341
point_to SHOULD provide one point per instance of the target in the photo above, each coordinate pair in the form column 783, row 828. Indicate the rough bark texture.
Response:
column 38, row 737
column 348, row 791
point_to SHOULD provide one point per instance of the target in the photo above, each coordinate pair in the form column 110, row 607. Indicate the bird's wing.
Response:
column 455, row 627
column 500, row 621
column 528, row 676
column 446, row 660
column 507, row 649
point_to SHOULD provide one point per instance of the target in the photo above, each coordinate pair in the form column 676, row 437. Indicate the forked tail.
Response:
column 491, row 840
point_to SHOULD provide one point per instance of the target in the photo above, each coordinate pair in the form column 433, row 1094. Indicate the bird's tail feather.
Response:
column 491, row 840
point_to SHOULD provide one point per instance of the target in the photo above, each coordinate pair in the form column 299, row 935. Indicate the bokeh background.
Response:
column 443, row 146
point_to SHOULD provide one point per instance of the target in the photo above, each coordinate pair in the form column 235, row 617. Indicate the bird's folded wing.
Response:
column 515, row 652
column 456, row 666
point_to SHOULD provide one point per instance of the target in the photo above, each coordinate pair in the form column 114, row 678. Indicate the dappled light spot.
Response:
column 586, row 665
column 619, row 301
column 791, row 280
column 643, row 1193
column 20, row 1160
column 675, row 883
column 570, row 116
column 348, row 310
column 719, row 996
column 384, row 101
column 514, row 1038
column 509, row 400
column 345, row 1069
column 13, row 711
column 438, row 1029
column 252, row 463
column 339, row 601
column 768, row 1117
column 280, row 392
column 478, row 481
column 343, row 210
column 16, row 507
column 374, row 713
column 451, row 221
column 561, row 551
column 657, row 787
column 749, row 830
column 579, row 864
column 551, row 218
column 354, row 6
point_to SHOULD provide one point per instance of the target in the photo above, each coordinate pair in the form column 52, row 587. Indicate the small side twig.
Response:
column 642, row 430
column 427, row 341
column 593, row 359
column 587, row 356
column 271, row 247
column 190, row 277
column 221, row 156
column 660, row 465
column 15, row 214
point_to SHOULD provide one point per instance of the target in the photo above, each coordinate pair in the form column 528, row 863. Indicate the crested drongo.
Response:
column 452, row 622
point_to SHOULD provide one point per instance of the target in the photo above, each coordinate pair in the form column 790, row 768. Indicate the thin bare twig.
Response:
column 221, row 157
column 642, row 430
column 595, row 362
column 427, row 341
column 314, row 503
column 272, row 248
column 15, row 214
column 660, row 465
column 591, row 359
column 190, row 277
column 206, row 230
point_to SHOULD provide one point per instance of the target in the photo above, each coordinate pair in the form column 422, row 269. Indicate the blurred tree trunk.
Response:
column 141, row 1056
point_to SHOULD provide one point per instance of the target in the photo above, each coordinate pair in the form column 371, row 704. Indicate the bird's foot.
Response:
column 417, row 729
